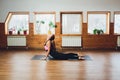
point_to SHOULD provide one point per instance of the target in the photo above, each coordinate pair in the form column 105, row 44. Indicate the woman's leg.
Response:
column 64, row 56
column 59, row 56
column 72, row 56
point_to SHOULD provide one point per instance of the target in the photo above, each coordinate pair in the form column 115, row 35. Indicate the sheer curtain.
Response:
column 71, row 24
column 42, row 28
column 117, row 24
column 97, row 21
column 18, row 22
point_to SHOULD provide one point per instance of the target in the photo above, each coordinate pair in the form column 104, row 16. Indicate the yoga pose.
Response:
column 50, row 48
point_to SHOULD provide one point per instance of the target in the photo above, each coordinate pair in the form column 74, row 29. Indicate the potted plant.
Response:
column 98, row 31
column 18, row 32
column 95, row 31
column 25, row 31
column 41, row 22
column 38, row 24
column 51, row 25
column 11, row 31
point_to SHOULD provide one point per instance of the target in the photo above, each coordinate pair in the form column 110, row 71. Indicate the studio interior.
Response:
column 88, row 28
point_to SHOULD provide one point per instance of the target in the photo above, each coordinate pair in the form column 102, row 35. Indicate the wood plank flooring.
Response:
column 17, row 65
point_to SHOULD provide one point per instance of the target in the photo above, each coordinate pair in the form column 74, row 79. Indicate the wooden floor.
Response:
column 17, row 65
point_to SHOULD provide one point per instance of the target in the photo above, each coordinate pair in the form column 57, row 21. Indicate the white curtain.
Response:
column 97, row 21
column 43, row 28
column 18, row 22
column 71, row 24
column 117, row 24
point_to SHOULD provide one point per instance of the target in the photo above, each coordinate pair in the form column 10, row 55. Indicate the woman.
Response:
column 51, row 50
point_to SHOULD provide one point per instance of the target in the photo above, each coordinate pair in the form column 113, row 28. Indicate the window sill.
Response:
column 16, row 35
column 116, row 34
column 71, row 34
column 98, row 34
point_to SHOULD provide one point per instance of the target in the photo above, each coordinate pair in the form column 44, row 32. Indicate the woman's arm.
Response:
column 54, row 45
column 49, row 47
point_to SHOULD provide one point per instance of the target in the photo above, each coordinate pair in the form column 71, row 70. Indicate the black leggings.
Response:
column 64, row 56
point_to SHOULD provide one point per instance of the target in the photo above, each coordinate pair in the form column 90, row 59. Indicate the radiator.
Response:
column 71, row 41
column 118, row 41
column 16, row 40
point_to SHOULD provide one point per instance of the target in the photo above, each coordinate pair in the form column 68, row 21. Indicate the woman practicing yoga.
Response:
column 50, row 48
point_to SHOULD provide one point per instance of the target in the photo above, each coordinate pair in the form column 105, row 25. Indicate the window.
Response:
column 98, row 20
column 43, row 22
column 17, row 23
column 117, row 22
column 71, row 22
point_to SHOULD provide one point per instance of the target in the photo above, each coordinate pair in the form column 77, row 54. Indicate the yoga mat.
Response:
column 39, row 57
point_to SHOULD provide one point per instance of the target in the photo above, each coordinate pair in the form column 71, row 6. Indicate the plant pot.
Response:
column 49, row 32
column 25, row 32
column 10, row 32
column 18, row 32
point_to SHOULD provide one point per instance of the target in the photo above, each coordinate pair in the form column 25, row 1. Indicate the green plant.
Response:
column 19, row 30
column 101, row 31
column 40, row 22
column 51, row 24
column 98, row 31
column 95, row 31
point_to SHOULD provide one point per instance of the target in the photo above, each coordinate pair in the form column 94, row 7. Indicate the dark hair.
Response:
column 52, row 37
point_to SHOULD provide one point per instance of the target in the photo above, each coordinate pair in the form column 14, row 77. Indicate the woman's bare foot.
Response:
column 81, row 57
column 79, row 54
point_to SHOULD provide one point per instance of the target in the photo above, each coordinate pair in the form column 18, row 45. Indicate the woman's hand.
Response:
column 44, row 58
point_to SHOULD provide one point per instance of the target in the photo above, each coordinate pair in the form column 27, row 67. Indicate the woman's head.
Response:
column 51, row 37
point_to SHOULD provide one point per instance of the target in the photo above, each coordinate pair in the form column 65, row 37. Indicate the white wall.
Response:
column 57, row 6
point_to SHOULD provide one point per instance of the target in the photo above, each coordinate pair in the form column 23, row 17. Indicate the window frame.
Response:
column 71, row 12
column 43, row 13
column 108, row 21
column 116, row 12
column 9, row 17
